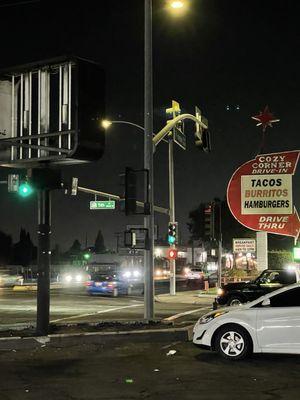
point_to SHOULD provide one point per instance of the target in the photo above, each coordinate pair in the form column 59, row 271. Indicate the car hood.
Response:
column 231, row 309
column 237, row 285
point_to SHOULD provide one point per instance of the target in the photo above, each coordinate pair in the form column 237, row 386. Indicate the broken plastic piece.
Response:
column 171, row 352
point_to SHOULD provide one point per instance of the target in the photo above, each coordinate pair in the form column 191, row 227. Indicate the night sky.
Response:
column 222, row 52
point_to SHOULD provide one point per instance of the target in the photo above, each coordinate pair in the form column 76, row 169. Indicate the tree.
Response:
column 5, row 248
column 99, row 243
column 24, row 250
column 75, row 249
column 279, row 259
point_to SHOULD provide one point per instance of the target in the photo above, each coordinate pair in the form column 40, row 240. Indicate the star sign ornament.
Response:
column 265, row 118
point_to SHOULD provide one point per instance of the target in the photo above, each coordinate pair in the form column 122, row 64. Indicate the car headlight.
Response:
column 68, row 278
column 127, row 274
column 220, row 291
column 78, row 278
column 207, row 318
column 136, row 273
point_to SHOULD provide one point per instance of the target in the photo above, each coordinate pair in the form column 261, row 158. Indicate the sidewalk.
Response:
column 188, row 297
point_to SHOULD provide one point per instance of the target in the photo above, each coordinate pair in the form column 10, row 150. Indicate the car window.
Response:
column 285, row 277
column 101, row 277
column 290, row 298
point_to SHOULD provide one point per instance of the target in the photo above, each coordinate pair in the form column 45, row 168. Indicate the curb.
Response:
column 24, row 288
column 74, row 339
column 33, row 287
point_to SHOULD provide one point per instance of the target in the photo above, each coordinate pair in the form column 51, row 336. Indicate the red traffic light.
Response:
column 172, row 254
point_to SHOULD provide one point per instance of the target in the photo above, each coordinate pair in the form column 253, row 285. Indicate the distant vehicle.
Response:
column 240, row 292
column 7, row 280
column 111, row 285
column 194, row 273
column 133, row 275
column 212, row 279
column 269, row 324
column 72, row 277
column 161, row 273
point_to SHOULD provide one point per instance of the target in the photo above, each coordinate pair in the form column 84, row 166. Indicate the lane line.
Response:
column 182, row 314
column 97, row 312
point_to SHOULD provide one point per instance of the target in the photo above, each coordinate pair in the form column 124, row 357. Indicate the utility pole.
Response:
column 220, row 249
column 118, row 235
column 148, row 162
column 44, row 256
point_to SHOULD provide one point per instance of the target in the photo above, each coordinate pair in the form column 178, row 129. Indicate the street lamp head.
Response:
column 106, row 123
column 177, row 4
column 178, row 7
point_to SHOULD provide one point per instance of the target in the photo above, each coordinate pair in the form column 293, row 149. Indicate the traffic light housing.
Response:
column 130, row 191
column 172, row 233
column 209, row 221
column 202, row 135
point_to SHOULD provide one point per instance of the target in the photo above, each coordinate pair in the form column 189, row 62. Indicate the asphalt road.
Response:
column 74, row 305
column 131, row 371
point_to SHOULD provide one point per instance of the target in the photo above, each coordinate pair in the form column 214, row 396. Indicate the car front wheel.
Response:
column 233, row 342
column 234, row 301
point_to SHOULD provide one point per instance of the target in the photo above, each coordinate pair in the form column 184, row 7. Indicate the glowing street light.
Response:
column 177, row 4
column 177, row 8
column 106, row 123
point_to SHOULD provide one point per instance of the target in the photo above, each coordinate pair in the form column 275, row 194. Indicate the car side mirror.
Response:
column 266, row 303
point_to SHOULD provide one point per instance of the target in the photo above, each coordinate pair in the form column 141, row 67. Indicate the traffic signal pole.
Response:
column 44, row 255
column 148, row 163
column 172, row 214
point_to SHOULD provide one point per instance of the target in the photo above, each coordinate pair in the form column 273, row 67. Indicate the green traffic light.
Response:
column 87, row 256
column 25, row 189
column 171, row 239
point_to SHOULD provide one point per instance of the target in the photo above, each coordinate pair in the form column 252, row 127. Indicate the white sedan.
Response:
column 270, row 324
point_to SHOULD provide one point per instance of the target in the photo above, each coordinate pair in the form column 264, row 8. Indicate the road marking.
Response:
column 97, row 312
column 173, row 317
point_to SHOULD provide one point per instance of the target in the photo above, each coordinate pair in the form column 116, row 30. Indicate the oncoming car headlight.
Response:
column 68, row 278
column 220, row 291
column 207, row 318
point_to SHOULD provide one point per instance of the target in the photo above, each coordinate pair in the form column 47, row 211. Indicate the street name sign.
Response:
column 102, row 205
column 260, row 197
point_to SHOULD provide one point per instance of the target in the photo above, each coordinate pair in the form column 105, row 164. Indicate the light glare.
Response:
column 106, row 123
column 177, row 4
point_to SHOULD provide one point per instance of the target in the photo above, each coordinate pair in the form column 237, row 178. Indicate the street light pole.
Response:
column 148, row 161
column 220, row 250
column 172, row 213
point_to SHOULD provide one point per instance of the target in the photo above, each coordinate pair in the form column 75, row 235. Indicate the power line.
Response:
column 19, row 3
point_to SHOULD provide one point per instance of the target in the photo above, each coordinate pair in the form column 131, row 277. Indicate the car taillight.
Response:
column 89, row 283
column 110, row 285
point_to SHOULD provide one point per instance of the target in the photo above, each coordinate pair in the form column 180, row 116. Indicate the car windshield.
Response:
column 103, row 277
column 284, row 277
